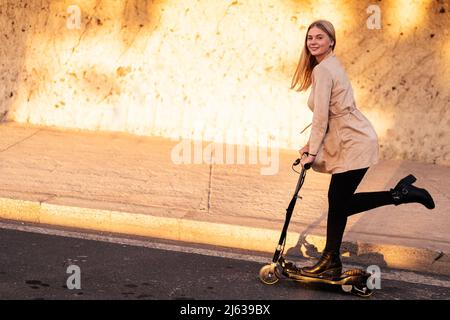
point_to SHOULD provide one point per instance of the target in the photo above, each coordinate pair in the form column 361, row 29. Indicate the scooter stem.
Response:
column 290, row 209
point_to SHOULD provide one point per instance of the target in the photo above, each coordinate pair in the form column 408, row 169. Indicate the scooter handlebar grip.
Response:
column 306, row 166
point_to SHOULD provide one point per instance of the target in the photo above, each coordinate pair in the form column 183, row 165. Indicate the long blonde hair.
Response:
column 307, row 62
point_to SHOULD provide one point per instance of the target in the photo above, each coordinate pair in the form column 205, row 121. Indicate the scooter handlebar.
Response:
column 297, row 161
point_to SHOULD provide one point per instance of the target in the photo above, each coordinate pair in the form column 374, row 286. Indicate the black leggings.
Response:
column 344, row 202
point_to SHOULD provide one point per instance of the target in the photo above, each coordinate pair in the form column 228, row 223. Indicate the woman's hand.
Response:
column 303, row 150
column 308, row 159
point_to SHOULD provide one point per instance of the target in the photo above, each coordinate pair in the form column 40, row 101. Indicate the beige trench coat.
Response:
column 341, row 136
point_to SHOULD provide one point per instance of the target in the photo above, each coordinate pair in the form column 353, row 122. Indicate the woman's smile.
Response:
column 318, row 42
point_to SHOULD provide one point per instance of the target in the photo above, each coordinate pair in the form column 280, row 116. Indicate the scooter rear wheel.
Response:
column 268, row 274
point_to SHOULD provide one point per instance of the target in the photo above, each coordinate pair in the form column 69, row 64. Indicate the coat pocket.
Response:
column 332, row 143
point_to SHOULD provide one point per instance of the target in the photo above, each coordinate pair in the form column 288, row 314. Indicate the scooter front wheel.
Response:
column 362, row 291
column 359, row 290
column 268, row 274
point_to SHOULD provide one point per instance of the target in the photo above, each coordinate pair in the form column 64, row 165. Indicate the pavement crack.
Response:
column 20, row 141
column 440, row 255
column 51, row 197
column 210, row 185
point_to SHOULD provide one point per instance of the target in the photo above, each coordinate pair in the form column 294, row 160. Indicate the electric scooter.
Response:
column 351, row 281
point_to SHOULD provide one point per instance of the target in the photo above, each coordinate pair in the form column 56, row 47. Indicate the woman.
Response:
column 342, row 142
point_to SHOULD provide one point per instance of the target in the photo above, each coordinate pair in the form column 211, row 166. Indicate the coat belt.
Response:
column 332, row 117
column 342, row 114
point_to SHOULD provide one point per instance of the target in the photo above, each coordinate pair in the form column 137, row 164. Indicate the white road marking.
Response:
column 404, row 276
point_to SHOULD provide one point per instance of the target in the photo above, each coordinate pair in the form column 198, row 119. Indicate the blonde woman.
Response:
column 342, row 142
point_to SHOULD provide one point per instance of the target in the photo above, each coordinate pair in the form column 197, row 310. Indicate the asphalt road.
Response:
column 40, row 263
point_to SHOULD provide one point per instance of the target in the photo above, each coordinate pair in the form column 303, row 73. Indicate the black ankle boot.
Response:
column 405, row 192
column 329, row 265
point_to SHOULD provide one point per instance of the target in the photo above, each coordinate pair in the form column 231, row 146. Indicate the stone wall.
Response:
column 221, row 69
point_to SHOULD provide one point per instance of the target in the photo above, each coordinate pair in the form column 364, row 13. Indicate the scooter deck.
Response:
column 343, row 279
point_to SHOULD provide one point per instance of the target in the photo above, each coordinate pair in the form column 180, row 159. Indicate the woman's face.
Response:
column 318, row 42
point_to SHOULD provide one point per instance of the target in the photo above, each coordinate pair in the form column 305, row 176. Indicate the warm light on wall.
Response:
column 207, row 70
column 330, row 10
column 188, row 80
column 405, row 15
column 444, row 77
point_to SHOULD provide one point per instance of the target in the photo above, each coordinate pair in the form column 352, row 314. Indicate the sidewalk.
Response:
column 121, row 183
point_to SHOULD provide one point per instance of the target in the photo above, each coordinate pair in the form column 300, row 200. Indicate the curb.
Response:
column 220, row 234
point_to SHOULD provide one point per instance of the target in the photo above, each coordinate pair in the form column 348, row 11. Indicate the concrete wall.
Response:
column 221, row 69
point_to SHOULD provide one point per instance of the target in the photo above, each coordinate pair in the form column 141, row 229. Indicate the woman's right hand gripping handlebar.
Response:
column 306, row 159
column 304, row 150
